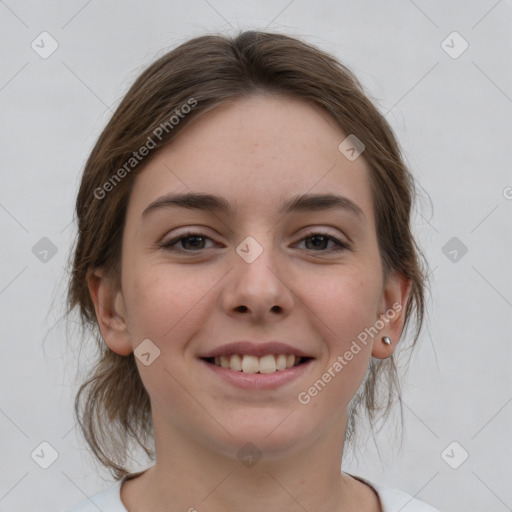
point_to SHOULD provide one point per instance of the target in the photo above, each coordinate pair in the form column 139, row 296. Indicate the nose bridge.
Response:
column 257, row 257
column 257, row 282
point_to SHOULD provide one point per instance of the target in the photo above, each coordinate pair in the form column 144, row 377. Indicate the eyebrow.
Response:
column 217, row 204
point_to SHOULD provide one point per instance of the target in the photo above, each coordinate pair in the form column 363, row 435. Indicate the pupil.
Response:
column 195, row 240
column 319, row 240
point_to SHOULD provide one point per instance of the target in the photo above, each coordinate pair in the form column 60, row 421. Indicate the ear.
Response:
column 110, row 312
column 392, row 306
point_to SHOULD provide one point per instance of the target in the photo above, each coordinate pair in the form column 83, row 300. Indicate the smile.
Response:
column 246, row 363
column 253, row 373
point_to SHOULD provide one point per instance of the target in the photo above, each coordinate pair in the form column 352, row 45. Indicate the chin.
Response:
column 269, row 436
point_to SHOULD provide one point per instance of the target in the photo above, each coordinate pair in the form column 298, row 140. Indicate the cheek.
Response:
column 346, row 306
column 346, row 302
column 164, row 307
column 164, row 302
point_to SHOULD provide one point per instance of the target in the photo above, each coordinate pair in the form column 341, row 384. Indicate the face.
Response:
column 195, row 279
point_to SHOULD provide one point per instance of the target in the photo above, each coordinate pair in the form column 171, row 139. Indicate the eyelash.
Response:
column 189, row 234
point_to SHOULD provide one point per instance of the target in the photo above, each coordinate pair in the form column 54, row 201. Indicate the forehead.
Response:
column 257, row 152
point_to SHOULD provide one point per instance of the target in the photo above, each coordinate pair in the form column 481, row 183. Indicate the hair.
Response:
column 112, row 406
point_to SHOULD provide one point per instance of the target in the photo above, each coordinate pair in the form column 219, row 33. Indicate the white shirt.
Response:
column 392, row 500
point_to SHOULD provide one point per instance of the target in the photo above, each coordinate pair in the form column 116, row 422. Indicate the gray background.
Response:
column 453, row 119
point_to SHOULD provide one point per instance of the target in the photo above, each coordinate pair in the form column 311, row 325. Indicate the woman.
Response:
column 245, row 258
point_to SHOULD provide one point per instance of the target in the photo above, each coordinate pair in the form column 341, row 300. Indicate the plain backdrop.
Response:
column 451, row 108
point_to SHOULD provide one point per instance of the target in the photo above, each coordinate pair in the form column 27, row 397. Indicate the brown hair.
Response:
column 112, row 405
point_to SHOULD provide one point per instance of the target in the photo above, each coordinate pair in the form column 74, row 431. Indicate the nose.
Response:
column 260, row 288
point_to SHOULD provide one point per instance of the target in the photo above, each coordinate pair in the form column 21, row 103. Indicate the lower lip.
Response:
column 259, row 380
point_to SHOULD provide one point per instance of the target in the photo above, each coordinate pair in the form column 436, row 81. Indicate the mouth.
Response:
column 246, row 363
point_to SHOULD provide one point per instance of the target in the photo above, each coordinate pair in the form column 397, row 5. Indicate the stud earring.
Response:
column 386, row 340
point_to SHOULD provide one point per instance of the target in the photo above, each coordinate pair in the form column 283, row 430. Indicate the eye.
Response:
column 194, row 240
column 320, row 239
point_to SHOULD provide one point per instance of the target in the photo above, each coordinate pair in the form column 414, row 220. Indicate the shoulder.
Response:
column 394, row 500
column 108, row 500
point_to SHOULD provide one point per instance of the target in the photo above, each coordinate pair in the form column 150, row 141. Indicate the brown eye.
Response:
column 189, row 242
column 320, row 242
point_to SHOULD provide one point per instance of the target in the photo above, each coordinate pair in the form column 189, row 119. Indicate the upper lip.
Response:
column 255, row 349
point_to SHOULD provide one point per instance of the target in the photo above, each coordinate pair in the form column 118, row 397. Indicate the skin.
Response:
column 255, row 152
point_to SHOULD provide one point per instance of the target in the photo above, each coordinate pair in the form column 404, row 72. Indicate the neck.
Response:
column 189, row 475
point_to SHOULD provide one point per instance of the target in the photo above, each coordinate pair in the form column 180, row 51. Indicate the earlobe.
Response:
column 110, row 312
column 392, row 308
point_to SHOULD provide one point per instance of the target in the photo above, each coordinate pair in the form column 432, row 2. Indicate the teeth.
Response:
column 250, row 364
column 235, row 363
column 267, row 364
column 254, row 364
column 281, row 362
